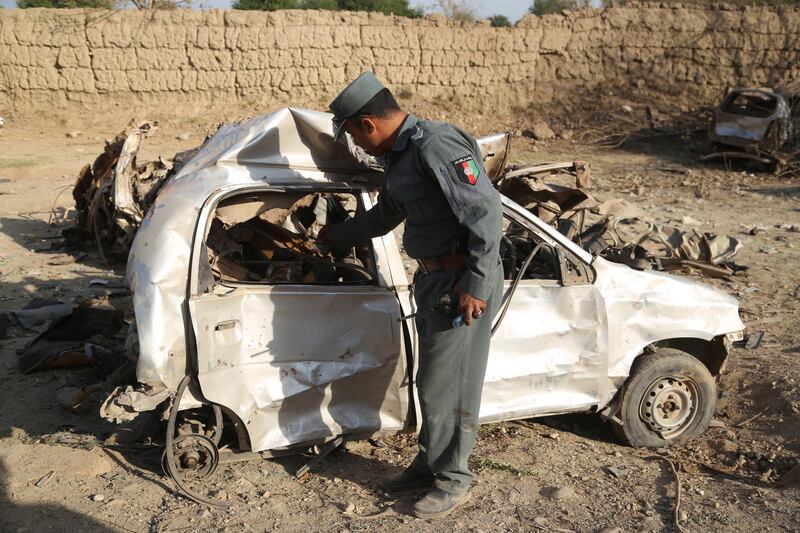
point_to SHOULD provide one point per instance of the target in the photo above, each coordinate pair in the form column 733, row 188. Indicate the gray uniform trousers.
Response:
column 452, row 365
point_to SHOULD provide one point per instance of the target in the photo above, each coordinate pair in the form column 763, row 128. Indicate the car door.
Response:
column 300, row 362
column 549, row 353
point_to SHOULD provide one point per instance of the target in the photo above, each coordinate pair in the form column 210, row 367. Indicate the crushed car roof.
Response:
column 289, row 138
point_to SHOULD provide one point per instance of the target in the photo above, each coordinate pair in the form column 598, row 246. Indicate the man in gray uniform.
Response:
column 436, row 183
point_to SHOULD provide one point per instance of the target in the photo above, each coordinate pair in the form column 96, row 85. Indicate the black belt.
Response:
column 442, row 263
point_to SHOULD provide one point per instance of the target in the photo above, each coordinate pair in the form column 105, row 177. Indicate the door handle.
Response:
column 228, row 324
column 227, row 333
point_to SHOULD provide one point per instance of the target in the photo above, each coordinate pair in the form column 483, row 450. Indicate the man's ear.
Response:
column 367, row 125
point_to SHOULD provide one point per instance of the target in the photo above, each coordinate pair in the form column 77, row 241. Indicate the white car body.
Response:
column 299, row 363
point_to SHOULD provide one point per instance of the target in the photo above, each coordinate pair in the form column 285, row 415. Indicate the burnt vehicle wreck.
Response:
column 756, row 124
column 243, row 316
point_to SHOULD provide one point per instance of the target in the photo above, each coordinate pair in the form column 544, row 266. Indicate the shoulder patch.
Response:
column 466, row 169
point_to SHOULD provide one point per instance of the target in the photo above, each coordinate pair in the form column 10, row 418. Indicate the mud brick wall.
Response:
column 132, row 57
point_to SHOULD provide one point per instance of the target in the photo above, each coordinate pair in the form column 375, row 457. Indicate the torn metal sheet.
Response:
column 579, row 169
column 36, row 312
column 33, row 316
column 241, row 209
column 616, row 229
column 127, row 211
column 113, row 193
column 495, row 149
column 642, row 244
column 754, row 340
column 547, row 201
column 124, row 403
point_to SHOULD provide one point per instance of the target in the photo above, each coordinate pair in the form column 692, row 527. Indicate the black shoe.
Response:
column 406, row 480
column 438, row 503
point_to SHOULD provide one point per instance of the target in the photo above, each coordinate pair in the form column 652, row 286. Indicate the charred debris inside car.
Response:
column 246, row 325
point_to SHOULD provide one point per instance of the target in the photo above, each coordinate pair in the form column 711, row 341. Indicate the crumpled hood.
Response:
column 643, row 307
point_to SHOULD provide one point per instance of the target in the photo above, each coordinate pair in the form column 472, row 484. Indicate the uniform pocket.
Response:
column 409, row 191
column 431, row 286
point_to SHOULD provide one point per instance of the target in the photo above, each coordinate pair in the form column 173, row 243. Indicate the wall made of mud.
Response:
column 131, row 57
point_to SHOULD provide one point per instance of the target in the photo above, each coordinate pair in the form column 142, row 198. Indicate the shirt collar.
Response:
column 408, row 129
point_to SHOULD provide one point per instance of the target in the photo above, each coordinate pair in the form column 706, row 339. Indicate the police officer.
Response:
column 436, row 183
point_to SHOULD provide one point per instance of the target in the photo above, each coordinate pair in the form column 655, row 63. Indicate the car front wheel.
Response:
column 669, row 397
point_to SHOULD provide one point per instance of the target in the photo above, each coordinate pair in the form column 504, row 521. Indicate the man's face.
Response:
column 366, row 134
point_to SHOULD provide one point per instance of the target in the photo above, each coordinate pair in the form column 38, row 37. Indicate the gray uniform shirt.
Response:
column 436, row 182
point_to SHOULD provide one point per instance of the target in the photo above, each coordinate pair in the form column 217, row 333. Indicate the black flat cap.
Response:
column 355, row 96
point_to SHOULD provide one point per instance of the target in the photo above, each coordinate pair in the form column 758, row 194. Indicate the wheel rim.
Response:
column 669, row 405
column 196, row 456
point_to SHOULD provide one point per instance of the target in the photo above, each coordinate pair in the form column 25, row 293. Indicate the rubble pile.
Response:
column 615, row 229
column 113, row 193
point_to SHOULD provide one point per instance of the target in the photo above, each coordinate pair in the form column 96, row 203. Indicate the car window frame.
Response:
column 569, row 253
column 205, row 218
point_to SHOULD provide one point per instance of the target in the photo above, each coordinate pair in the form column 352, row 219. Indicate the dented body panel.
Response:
column 303, row 363
column 159, row 261
column 642, row 308
column 548, row 355
column 300, row 363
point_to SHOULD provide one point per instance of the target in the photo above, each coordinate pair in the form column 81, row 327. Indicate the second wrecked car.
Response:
column 758, row 124
column 238, row 309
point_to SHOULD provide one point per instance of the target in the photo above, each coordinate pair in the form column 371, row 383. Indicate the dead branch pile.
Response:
column 616, row 127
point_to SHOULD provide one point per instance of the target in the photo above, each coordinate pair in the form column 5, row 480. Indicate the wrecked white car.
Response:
column 756, row 124
column 238, row 309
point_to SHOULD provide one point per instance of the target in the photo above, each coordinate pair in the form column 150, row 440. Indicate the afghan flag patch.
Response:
column 467, row 170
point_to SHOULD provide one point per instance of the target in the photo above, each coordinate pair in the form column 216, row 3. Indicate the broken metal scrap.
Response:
column 113, row 193
column 324, row 451
column 38, row 311
column 83, row 336
column 615, row 229
column 754, row 340
column 272, row 237
column 125, row 403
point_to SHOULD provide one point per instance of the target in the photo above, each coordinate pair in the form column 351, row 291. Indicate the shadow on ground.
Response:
column 41, row 517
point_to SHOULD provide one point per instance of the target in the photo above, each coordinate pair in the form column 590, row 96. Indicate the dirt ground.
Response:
column 554, row 474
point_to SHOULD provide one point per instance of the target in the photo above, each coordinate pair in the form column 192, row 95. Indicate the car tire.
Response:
column 668, row 397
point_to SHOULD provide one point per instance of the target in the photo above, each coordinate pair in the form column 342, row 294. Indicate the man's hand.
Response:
column 468, row 305
column 336, row 238
column 324, row 235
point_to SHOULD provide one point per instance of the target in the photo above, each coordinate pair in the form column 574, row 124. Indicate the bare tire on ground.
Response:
column 668, row 397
